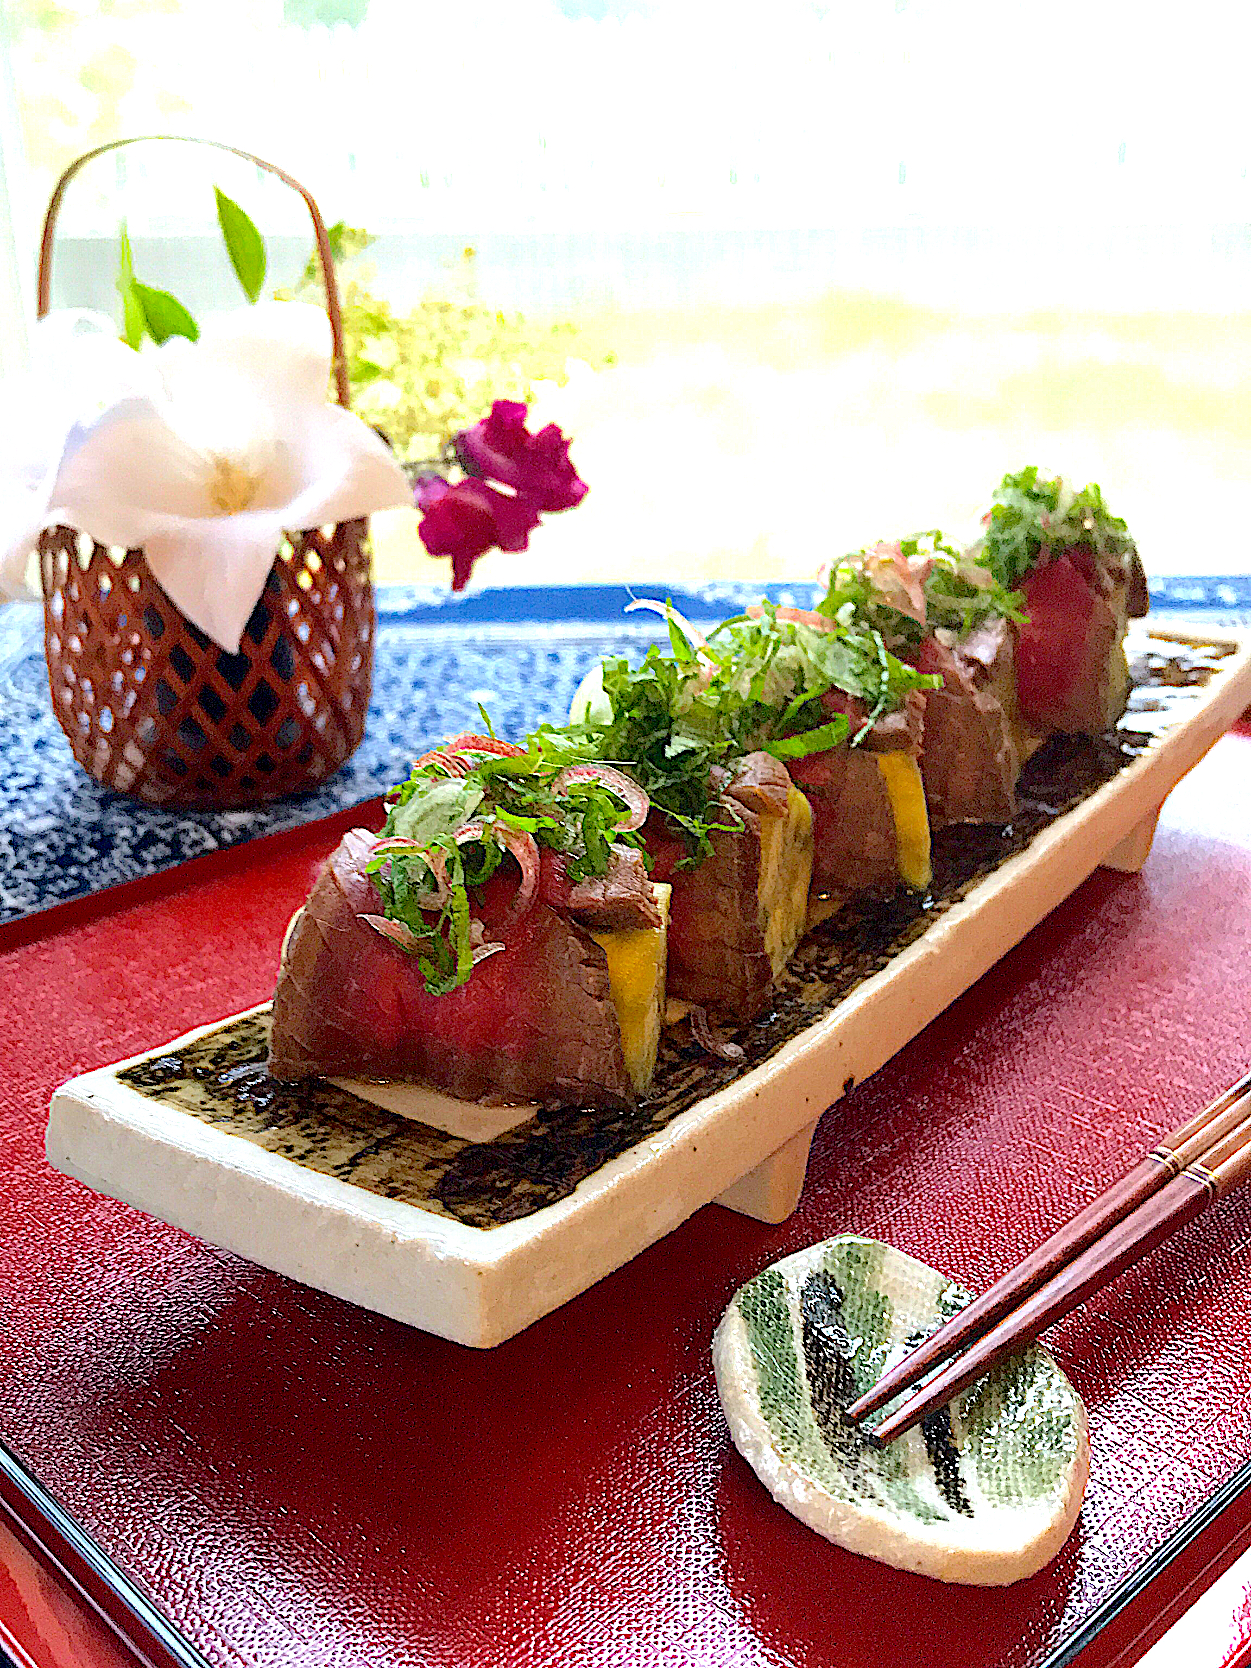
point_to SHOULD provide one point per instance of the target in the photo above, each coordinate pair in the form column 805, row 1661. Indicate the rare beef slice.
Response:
column 869, row 827
column 970, row 755
column 1071, row 672
column 854, row 846
column 737, row 915
column 534, row 1022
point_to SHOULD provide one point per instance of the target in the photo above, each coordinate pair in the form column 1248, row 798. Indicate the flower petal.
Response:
column 19, row 534
column 207, row 482
column 536, row 466
column 77, row 368
column 78, row 361
column 215, row 567
column 133, row 481
column 466, row 520
column 281, row 350
column 128, row 467
column 339, row 469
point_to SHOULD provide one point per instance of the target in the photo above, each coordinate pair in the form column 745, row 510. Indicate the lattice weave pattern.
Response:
column 153, row 708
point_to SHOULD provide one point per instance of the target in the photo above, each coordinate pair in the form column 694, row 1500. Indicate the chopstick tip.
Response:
column 853, row 1423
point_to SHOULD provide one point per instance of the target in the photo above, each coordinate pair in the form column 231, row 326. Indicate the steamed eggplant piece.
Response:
column 637, row 972
column 737, row 915
column 535, row 1022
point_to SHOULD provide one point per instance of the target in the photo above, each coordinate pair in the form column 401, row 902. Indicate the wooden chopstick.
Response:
column 1158, row 1167
column 1224, row 1165
column 1174, row 1152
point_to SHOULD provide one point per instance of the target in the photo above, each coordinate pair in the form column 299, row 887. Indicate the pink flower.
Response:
column 467, row 519
column 536, row 466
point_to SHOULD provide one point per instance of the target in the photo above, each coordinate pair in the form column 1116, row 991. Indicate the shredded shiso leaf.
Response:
column 675, row 723
column 504, row 794
column 960, row 592
column 1033, row 518
column 754, row 684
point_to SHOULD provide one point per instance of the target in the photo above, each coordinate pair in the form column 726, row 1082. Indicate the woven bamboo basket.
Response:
column 151, row 706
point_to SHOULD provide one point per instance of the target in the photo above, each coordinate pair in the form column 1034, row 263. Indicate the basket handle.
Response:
column 324, row 255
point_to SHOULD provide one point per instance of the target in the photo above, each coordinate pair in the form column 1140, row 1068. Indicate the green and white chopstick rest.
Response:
column 985, row 1492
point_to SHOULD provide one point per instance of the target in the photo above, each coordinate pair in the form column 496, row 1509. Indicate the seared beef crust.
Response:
column 853, row 823
column 970, row 760
column 620, row 898
column 535, row 1022
column 717, row 955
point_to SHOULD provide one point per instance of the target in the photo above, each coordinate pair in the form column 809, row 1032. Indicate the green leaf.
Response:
column 819, row 740
column 436, row 812
column 133, row 328
column 145, row 311
column 244, row 244
column 682, row 650
column 125, row 258
column 163, row 314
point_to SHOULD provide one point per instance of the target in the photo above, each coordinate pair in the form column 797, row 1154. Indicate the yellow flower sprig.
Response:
column 423, row 374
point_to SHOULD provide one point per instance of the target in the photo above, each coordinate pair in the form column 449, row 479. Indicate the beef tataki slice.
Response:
column 854, row 845
column 726, row 943
column 856, row 840
column 717, row 955
column 1137, row 596
column 969, row 756
column 621, row 898
column 1071, row 673
column 534, row 1022
column 761, row 783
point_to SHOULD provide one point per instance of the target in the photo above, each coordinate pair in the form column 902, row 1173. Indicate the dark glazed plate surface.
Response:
column 221, row 1077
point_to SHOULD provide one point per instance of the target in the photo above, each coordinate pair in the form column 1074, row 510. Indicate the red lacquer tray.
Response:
column 292, row 1481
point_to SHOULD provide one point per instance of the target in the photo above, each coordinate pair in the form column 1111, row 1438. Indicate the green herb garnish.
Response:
column 1033, row 518
column 756, row 684
column 425, row 884
column 675, row 722
column 959, row 592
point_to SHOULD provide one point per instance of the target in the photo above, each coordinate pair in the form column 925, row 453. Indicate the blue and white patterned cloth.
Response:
column 519, row 651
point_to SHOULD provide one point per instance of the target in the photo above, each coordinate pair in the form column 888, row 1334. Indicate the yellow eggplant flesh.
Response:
column 636, row 978
column 785, row 877
column 901, row 775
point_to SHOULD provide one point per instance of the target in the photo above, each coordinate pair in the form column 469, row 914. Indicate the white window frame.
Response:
column 16, row 275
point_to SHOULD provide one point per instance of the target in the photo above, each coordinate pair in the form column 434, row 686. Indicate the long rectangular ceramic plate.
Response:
column 473, row 1233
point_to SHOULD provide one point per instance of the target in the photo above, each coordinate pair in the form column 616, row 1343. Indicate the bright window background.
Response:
column 851, row 261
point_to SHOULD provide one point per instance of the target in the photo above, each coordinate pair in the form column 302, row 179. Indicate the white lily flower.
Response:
column 77, row 369
column 237, row 447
